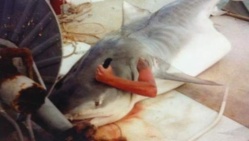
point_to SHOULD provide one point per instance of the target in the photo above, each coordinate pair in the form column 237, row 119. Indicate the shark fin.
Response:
column 169, row 72
column 181, row 77
column 131, row 13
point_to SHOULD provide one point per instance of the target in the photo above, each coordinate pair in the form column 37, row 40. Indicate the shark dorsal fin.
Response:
column 131, row 13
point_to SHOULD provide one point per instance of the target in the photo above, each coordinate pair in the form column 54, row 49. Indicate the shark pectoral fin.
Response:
column 181, row 77
column 131, row 13
column 164, row 70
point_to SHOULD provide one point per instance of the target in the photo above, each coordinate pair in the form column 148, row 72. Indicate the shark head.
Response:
column 80, row 91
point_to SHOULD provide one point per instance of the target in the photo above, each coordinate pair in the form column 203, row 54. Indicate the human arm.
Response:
column 145, row 85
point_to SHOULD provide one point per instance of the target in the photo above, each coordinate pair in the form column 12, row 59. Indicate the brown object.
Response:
column 16, row 90
column 237, row 9
column 237, row 16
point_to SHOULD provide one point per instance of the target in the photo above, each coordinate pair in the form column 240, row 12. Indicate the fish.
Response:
column 157, row 37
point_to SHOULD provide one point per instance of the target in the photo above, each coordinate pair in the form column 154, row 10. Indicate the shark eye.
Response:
column 107, row 62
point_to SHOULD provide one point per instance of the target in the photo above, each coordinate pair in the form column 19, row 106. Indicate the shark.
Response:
column 157, row 37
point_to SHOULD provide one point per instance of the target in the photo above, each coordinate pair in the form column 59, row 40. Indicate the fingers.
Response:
column 99, row 70
column 103, row 72
column 142, row 64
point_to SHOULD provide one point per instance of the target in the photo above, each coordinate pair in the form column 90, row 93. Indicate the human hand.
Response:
column 104, row 74
column 142, row 64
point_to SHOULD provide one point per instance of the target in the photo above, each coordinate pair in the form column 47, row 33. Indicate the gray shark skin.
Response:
column 156, row 37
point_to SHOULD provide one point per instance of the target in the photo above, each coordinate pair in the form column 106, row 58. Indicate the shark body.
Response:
column 157, row 37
